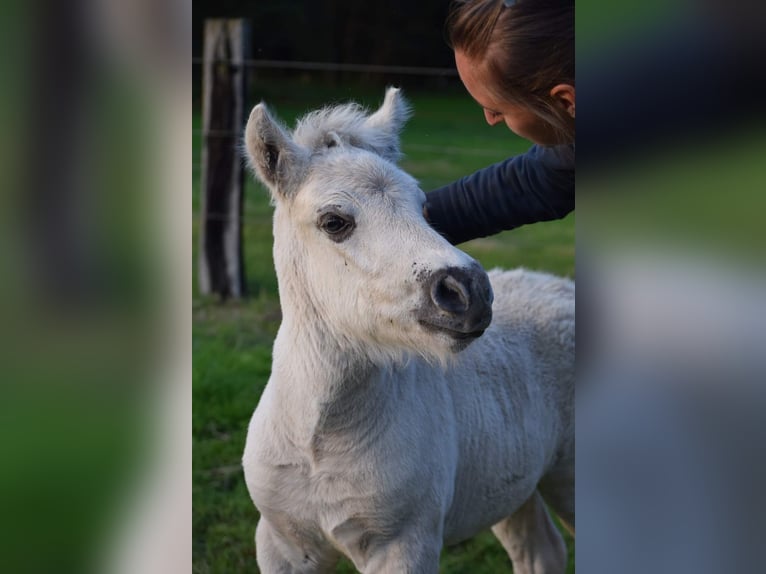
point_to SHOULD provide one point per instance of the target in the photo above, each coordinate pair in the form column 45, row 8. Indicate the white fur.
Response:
column 373, row 438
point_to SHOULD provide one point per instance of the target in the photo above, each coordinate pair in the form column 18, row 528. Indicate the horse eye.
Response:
column 335, row 226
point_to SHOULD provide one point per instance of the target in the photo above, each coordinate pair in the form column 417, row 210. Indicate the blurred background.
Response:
column 108, row 384
column 671, row 299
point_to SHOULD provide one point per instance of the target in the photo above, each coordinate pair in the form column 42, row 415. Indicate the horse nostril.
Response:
column 450, row 295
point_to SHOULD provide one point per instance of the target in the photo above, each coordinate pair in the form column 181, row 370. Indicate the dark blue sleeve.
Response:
column 538, row 185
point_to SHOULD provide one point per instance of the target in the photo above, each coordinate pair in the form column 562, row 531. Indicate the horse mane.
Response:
column 346, row 125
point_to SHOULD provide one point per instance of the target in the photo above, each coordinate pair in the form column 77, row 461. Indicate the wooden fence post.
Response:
column 221, row 266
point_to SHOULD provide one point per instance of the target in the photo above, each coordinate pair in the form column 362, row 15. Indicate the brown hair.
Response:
column 527, row 47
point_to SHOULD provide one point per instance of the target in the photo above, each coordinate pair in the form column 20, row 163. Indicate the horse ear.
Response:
column 392, row 115
column 274, row 156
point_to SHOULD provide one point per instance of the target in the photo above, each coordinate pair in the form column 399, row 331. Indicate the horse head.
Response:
column 352, row 249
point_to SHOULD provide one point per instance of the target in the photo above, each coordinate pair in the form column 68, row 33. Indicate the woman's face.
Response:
column 520, row 120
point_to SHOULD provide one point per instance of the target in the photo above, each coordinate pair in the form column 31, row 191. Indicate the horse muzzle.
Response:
column 457, row 302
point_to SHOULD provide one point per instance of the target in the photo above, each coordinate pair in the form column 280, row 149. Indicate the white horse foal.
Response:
column 414, row 400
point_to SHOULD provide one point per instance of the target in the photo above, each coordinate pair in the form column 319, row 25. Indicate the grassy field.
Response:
column 446, row 139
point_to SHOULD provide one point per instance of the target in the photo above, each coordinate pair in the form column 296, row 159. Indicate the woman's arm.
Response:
column 538, row 185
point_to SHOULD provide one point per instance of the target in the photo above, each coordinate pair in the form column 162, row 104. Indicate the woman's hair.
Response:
column 527, row 47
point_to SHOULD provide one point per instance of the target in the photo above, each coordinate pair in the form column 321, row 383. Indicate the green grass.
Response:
column 446, row 139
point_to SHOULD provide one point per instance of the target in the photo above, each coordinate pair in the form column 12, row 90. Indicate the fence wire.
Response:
column 331, row 67
column 326, row 67
column 436, row 149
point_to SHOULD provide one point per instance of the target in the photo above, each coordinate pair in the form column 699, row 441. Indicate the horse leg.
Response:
column 416, row 549
column 406, row 555
column 532, row 540
column 276, row 555
column 557, row 488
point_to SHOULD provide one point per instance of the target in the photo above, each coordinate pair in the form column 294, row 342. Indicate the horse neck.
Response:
column 322, row 381
column 308, row 350
column 323, row 390
column 309, row 346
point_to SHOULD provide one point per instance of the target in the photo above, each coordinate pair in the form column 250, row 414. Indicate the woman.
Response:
column 516, row 59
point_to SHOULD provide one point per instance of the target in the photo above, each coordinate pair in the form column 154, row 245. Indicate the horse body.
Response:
column 397, row 416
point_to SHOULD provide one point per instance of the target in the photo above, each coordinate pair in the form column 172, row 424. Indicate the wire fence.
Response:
column 236, row 135
column 343, row 67
column 424, row 148
column 332, row 67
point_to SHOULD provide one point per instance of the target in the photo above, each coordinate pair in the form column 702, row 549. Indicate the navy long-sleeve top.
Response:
column 538, row 185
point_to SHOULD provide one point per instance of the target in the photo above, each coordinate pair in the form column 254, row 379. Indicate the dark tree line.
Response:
column 398, row 32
